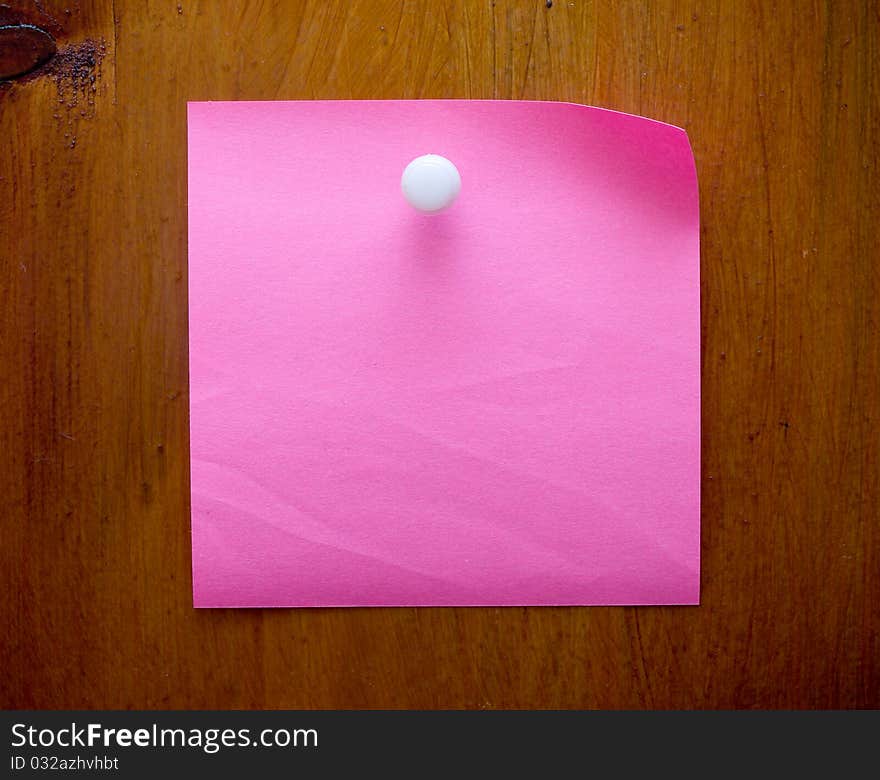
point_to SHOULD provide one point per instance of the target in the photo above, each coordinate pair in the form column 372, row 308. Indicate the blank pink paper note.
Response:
column 498, row 405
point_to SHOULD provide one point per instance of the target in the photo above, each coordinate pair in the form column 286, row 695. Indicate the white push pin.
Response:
column 430, row 183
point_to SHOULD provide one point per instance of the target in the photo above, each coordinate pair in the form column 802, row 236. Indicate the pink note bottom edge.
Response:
column 397, row 605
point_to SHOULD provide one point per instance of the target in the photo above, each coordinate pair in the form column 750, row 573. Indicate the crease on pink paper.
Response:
column 499, row 405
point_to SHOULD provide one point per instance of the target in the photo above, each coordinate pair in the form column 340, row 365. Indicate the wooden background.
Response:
column 781, row 104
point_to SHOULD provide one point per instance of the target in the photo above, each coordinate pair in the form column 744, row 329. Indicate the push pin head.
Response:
column 430, row 183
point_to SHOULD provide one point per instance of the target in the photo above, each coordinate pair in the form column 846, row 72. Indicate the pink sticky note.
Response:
column 497, row 405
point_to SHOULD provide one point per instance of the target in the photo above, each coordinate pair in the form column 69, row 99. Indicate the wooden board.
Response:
column 782, row 104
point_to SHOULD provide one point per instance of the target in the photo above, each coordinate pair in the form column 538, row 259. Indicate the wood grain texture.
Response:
column 782, row 104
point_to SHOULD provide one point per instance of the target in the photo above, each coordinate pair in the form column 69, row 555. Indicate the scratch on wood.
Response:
column 116, row 45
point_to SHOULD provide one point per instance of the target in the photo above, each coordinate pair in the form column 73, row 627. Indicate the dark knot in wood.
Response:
column 23, row 48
